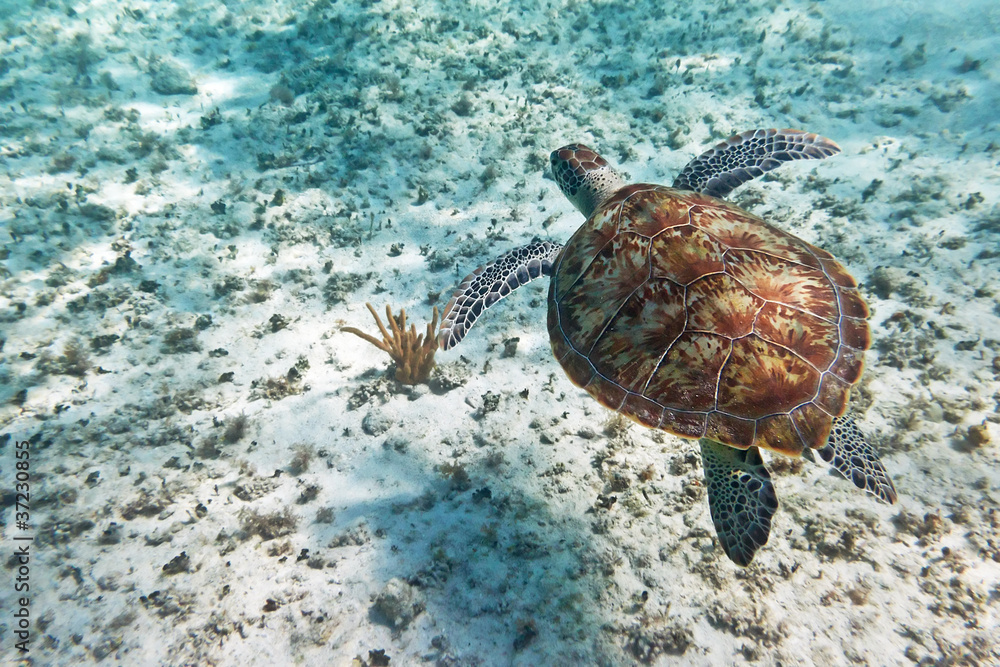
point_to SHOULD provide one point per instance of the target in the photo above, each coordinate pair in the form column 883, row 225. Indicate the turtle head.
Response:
column 584, row 177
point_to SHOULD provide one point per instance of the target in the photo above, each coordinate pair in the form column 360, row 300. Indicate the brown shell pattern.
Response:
column 689, row 314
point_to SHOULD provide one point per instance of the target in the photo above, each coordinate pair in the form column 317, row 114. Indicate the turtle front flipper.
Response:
column 743, row 157
column 488, row 284
column 851, row 455
column 740, row 497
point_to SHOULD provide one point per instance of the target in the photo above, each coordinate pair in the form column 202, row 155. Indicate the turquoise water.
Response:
column 196, row 197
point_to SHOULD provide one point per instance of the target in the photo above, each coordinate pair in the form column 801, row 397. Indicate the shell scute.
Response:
column 651, row 318
column 688, row 375
column 643, row 211
column 740, row 230
column 723, row 427
column 851, row 304
column 760, row 379
column 611, row 394
column 719, row 304
column 836, row 271
column 777, row 279
column 854, row 332
column 589, row 241
column 832, row 395
column 812, row 424
column 684, row 254
column 646, row 412
column 780, row 435
column 812, row 338
column 849, row 364
column 683, row 423
column 614, row 273
column 580, row 370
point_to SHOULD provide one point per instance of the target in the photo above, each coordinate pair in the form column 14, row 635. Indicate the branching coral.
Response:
column 412, row 354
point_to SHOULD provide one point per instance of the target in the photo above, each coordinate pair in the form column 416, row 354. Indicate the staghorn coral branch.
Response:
column 384, row 344
column 412, row 353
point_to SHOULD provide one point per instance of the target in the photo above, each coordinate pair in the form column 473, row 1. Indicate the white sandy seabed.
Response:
column 195, row 197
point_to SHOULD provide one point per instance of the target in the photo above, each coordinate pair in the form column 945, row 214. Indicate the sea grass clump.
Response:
column 180, row 340
column 282, row 386
column 411, row 353
column 236, row 428
column 268, row 526
column 339, row 286
column 74, row 360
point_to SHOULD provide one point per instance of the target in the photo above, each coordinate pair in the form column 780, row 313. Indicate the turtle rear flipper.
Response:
column 740, row 497
column 488, row 284
column 743, row 157
column 851, row 455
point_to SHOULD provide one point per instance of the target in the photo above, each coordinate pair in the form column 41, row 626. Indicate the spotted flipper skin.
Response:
column 743, row 157
column 848, row 452
column 741, row 498
column 492, row 282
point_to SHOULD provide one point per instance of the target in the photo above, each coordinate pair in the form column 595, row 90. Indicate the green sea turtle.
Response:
column 688, row 314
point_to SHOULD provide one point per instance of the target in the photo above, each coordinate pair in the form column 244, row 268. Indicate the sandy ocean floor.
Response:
column 196, row 196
